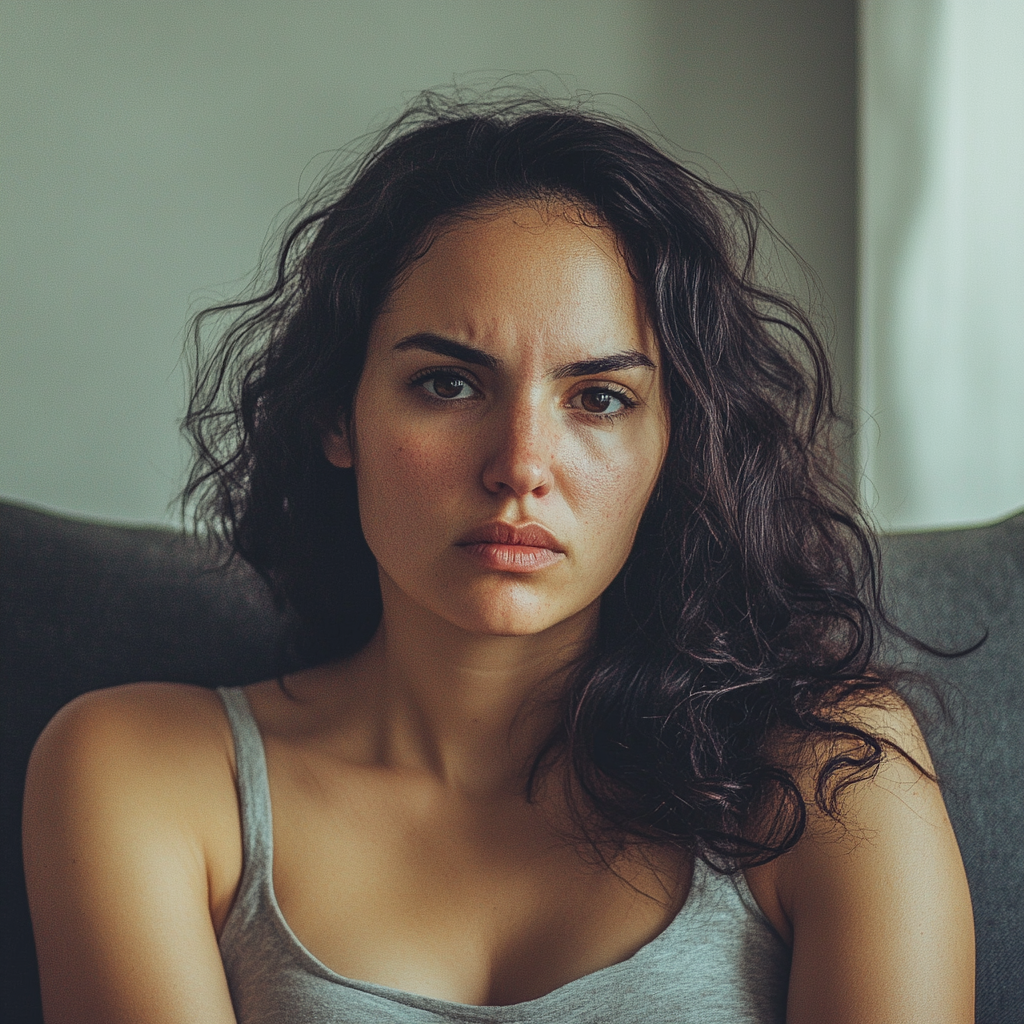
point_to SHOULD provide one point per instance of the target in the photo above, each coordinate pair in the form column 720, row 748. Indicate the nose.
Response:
column 522, row 451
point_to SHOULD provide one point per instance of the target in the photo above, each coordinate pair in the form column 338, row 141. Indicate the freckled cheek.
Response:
column 402, row 474
column 610, row 498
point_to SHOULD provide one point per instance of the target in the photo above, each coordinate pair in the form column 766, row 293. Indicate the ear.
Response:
column 336, row 446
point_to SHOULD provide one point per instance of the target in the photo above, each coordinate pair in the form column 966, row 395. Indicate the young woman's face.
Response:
column 510, row 423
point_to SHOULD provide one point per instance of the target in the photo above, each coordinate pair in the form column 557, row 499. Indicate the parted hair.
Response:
column 748, row 605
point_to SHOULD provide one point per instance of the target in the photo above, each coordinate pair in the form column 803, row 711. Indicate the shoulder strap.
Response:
column 253, row 788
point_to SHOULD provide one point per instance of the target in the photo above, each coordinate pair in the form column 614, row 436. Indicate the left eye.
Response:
column 601, row 401
column 447, row 386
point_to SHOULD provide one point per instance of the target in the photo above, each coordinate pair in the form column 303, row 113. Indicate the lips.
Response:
column 503, row 547
column 530, row 535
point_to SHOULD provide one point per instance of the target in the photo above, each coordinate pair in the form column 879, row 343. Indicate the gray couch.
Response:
column 84, row 605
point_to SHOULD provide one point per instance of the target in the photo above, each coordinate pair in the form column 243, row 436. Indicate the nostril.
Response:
column 521, row 480
column 520, row 475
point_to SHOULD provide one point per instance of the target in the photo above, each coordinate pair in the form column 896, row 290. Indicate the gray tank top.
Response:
column 718, row 962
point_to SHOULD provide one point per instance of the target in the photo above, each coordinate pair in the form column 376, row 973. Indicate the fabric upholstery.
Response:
column 85, row 605
column 948, row 588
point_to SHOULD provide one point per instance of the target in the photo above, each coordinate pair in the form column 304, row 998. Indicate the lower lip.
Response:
column 512, row 557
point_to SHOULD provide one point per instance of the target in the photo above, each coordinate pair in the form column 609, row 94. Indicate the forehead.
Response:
column 540, row 276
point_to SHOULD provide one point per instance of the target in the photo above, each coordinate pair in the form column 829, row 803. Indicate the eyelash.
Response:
column 423, row 376
column 628, row 402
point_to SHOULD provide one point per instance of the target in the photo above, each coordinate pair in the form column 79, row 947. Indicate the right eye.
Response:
column 446, row 385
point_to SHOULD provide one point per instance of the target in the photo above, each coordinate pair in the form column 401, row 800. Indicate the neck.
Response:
column 471, row 709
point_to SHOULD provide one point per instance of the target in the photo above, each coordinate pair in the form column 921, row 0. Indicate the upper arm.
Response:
column 115, row 861
column 882, row 922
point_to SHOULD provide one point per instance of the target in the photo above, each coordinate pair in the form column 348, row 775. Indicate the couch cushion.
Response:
column 948, row 588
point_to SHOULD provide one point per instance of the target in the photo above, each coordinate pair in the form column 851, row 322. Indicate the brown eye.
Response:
column 447, row 386
column 601, row 401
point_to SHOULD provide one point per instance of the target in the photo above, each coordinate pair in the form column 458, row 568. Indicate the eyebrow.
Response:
column 427, row 342
column 594, row 367
column 446, row 347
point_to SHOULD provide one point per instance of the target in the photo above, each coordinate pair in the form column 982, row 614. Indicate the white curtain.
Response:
column 942, row 260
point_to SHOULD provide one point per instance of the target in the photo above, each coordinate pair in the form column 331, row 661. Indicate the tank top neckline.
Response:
column 258, row 872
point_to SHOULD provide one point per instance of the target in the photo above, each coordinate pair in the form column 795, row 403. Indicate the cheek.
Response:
column 403, row 473
column 612, row 493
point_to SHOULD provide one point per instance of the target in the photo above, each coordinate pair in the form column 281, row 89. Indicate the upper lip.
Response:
column 531, row 535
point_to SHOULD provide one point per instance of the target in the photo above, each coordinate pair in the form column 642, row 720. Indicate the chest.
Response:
column 391, row 880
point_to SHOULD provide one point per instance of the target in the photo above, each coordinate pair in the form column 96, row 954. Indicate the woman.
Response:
column 593, row 728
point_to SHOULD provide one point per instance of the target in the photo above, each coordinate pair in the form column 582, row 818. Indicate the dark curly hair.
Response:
column 748, row 604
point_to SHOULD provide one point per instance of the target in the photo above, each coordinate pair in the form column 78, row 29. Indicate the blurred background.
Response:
column 146, row 149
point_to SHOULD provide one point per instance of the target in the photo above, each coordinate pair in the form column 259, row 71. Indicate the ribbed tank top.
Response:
column 718, row 962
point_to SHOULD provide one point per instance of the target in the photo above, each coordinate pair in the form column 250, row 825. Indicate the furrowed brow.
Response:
column 595, row 367
column 446, row 347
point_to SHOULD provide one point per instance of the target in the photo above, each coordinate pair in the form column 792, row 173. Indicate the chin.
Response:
column 498, row 605
column 510, row 608
column 504, row 621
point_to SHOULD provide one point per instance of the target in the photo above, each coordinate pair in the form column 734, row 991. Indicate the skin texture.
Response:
column 405, row 853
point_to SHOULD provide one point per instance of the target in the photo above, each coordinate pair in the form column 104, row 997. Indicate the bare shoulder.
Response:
column 159, row 728
column 876, row 896
column 143, row 756
column 132, row 852
column 904, row 761
column 133, row 705
column 154, row 757
column 872, row 810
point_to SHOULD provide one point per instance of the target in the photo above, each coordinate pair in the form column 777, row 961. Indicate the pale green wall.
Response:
column 147, row 147
column 942, row 252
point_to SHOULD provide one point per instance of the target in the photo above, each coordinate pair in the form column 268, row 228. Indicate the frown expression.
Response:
column 512, row 381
